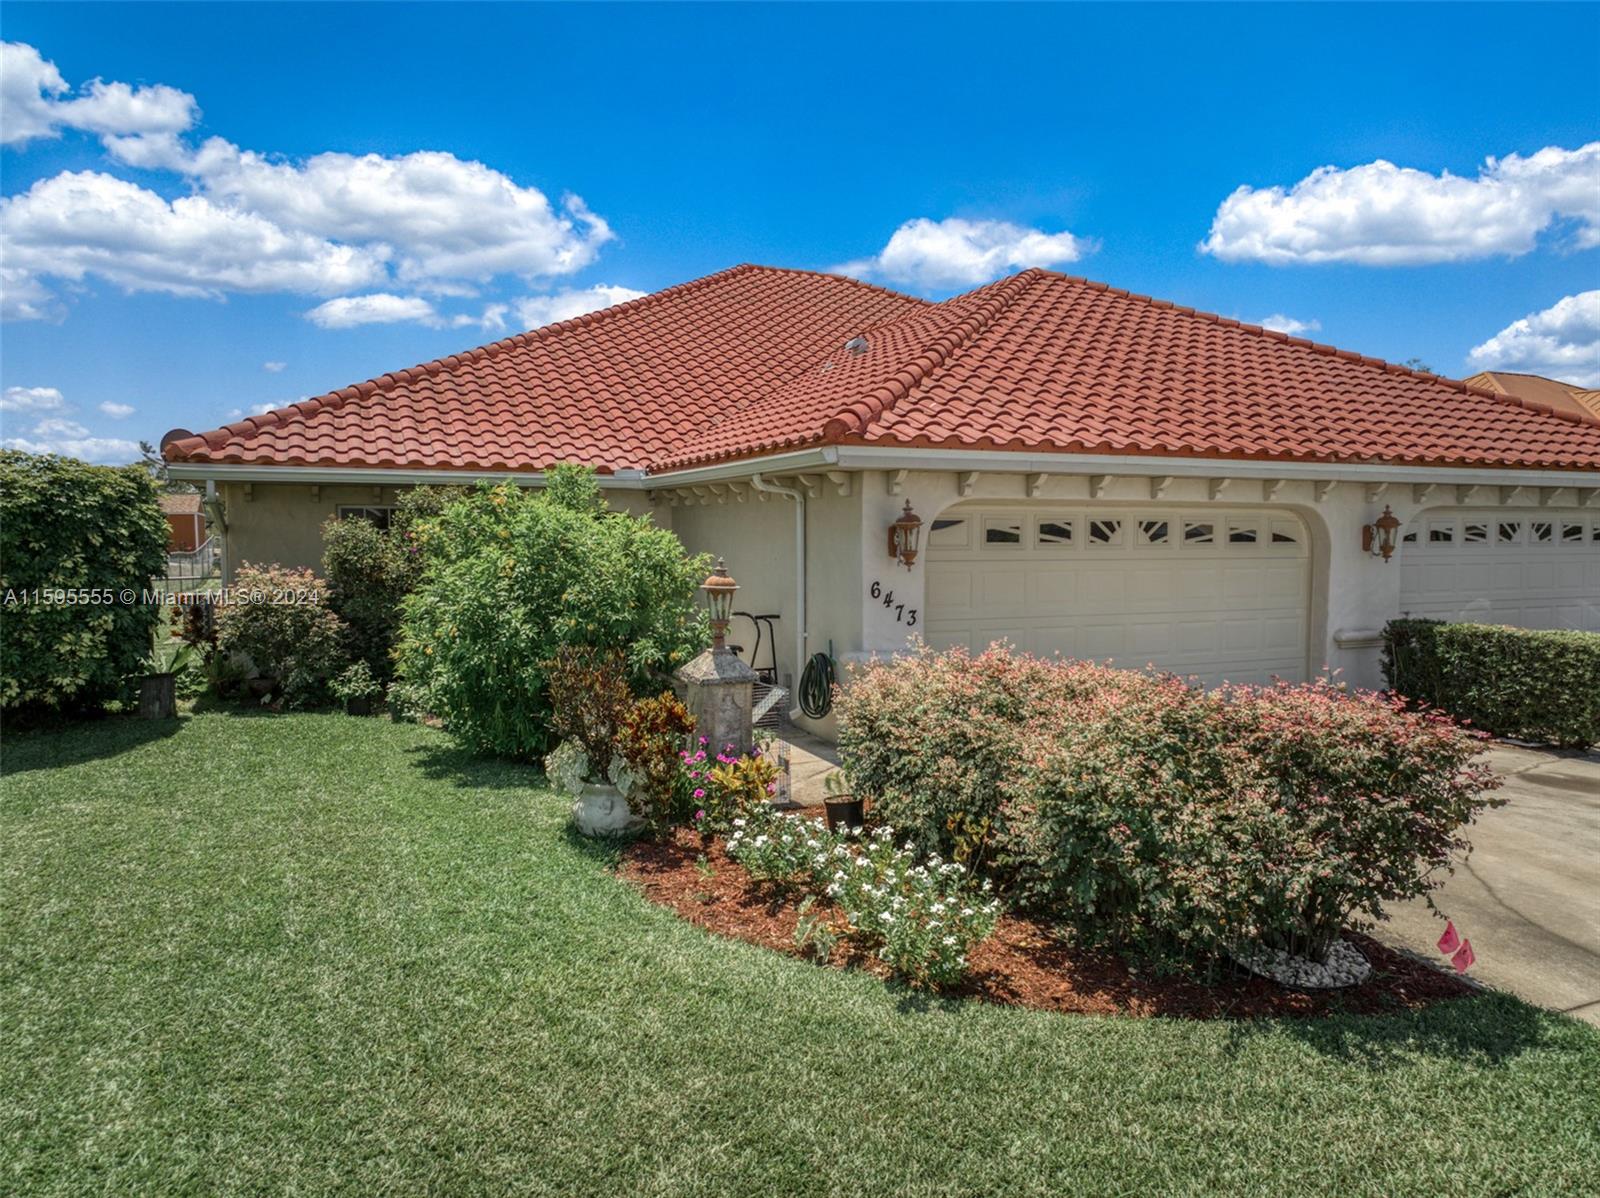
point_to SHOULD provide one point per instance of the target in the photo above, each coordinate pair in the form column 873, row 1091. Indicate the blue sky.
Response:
column 169, row 229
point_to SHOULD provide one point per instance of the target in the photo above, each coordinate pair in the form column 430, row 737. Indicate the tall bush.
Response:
column 371, row 570
column 1510, row 681
column 94, row 537
column 1159, row 818
column 510, row 577
column 279, row 620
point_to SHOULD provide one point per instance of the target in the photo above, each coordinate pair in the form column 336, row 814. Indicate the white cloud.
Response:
column 111, row 451
column 31, row 399
column 273, row 367
column 964, row 253
column 327, row 224
column 1562, row 342
column 491, row 320
column 57, row 427
column 117, row 411
column 79, row 223
column 536, row 311
column 1279, row 323
column 35, row 101
column 1379, row 214
column 349, row 311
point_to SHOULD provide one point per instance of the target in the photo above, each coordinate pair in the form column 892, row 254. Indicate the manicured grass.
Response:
column 266, row 954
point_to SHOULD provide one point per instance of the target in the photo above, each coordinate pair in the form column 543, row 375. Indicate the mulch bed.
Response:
column 1025, row 963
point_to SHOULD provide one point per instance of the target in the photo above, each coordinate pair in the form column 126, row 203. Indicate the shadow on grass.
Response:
column 1485, row 1030
column 463, row 767
column 63, row 741
column 605, row 851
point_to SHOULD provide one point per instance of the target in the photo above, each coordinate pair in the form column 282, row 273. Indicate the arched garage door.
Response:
column 1217, row 594
column 1532, row 569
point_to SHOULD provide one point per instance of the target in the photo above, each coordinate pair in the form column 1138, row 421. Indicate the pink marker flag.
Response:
column 1463, row 960
column 1449, row 942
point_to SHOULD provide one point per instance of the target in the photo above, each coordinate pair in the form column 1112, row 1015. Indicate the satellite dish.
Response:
column 173, row 434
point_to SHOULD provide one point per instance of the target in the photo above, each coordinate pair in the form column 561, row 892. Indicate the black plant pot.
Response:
column 361, row 706
column 844, row 811
column 158, row 696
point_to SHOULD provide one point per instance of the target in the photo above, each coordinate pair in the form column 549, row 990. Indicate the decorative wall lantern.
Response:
column 1377, row 538
column 904, row 534
column 719, row 589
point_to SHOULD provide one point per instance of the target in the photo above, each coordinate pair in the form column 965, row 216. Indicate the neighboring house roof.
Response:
column 179, row 505
column 754, row 360
column 1563, row 397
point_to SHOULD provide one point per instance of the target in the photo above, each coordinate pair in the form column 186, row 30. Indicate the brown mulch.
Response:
column 1025, row 963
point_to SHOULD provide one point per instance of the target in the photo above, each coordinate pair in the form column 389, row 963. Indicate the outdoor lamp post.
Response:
column 904, row 534
column 719, row 589
column 1378, row 537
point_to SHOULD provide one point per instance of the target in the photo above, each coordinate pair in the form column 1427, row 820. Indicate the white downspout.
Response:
column 800, row 641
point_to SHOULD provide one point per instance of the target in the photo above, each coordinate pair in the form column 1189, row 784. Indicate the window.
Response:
column 947, row 532
column 1242, row 534
column 1000, row 531
column 1199, row 532
column 1510, row 532
column 1442, row 532
column 1152, row 532
column 1285, row 532
column 1409, row 538
column 377, row 515
column 1571, row 534
column 1105, row 532
column 1474, row 533
column 1055, row 532
column 1542, row 531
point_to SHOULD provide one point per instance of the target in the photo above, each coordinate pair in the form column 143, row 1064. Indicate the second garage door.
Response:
column 1219, row 595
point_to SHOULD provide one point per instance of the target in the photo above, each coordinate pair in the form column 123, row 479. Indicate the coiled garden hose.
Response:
column 816, row 686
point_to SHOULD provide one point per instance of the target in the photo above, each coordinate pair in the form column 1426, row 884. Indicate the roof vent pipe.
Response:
column 857, row 345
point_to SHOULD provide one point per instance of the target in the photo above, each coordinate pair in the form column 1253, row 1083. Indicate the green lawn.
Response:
column 265, row 954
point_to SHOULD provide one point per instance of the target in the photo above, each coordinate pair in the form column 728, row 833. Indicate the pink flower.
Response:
column 700, row 794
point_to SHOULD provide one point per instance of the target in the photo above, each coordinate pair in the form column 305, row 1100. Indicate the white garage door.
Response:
column 1531, row 569
column 1217, row 594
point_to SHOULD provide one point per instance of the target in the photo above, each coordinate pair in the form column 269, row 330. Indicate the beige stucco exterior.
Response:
column 847, row 512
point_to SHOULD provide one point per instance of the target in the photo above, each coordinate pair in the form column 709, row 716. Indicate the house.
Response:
column 186, row 523
column 1097, row 473
column 1563, row 397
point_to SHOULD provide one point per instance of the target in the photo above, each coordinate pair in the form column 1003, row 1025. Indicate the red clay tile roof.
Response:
column 1563, row 397
column 179, row 504
column 615, row 388
column 753, row 360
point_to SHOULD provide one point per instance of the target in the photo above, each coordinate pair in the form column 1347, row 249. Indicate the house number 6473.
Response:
column 902, row 614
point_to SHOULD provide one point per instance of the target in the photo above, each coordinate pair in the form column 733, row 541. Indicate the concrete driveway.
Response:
column 1529, row 896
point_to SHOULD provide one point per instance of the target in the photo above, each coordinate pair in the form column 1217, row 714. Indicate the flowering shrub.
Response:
column 1182, row 825
column 931, row 737
column 922, row 917
column 650, row 740
column 734, row 786
column 1540, row 685
column 1156, row 817
column 590, row 702
column 279, row 621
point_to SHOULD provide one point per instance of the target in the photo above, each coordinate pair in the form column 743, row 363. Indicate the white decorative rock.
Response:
column 600, row 810
column 1345, row 966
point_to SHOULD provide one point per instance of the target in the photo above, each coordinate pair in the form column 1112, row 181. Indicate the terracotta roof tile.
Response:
column 754, row 360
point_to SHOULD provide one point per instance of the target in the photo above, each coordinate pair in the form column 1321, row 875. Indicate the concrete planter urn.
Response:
column 600, row 810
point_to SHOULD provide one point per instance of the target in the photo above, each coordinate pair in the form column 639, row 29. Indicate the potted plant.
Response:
column 158, row 686
column 590, row 700
column 840, row 806
column 356, row 688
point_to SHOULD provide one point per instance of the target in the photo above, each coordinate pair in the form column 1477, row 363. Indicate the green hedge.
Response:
column 1518, row 682
column 82, row 533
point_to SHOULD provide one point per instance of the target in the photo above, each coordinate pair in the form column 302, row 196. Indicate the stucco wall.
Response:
column 282, row 522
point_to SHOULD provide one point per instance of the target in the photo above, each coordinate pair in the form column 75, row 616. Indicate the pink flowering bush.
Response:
column 1168, row 821
column 931, row 737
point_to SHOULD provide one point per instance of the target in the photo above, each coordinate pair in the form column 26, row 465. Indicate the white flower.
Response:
column 950, row 941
